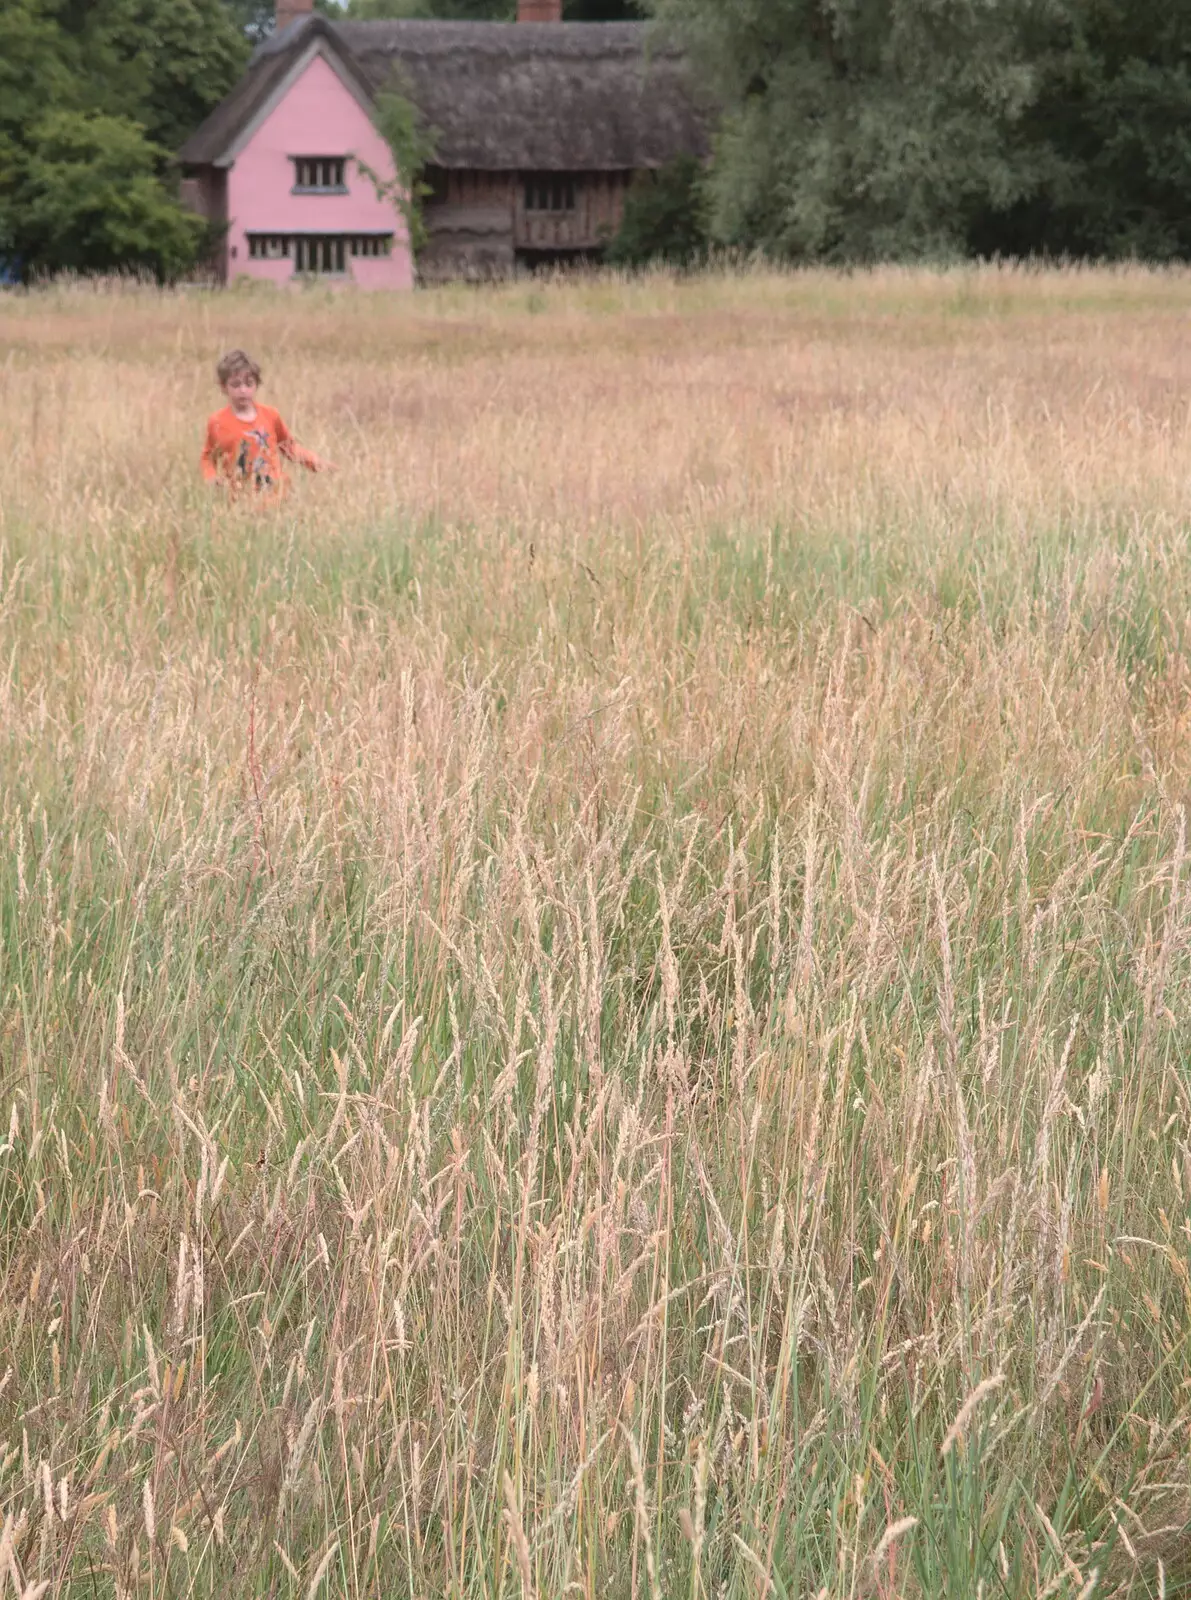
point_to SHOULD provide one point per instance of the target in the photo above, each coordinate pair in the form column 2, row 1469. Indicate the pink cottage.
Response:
column 282, row 163
column 537, row 132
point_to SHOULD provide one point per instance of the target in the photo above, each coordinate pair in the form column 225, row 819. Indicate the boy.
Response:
column 246, row 440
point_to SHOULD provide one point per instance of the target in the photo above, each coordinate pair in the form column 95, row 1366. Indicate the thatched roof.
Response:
column 497, row 96
column 207, row 145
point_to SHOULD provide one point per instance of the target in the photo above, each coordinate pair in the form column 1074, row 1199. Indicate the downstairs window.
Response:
column 323, row 255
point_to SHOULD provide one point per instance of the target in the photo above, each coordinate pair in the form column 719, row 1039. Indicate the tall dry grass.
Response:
column 600, row 1004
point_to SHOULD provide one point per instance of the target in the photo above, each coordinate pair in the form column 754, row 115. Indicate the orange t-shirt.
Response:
column 248, row 454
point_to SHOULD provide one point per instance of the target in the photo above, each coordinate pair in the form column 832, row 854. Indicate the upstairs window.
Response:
column 319, row 174
column 549, row 191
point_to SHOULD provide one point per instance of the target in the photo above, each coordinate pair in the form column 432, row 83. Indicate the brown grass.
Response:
column 599, row 1003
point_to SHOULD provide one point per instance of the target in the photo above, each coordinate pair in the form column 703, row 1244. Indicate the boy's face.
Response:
column 240, row 389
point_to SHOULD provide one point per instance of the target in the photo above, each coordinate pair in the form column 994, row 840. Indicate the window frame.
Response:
column 369, row 246
column 340, row 249
column 320, row 248
column 550, row 194
column 269, row 246
column 306, row 167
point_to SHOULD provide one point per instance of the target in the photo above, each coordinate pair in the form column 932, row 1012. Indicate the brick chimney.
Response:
column 289, row 11
column 537, row 10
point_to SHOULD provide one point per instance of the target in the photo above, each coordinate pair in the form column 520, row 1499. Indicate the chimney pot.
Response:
column 539, row 10
column 289, row 11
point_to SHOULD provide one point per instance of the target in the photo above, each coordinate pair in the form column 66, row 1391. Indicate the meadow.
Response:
column 600, row 1003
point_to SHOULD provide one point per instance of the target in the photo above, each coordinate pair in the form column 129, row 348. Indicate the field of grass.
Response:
column 600, row 1004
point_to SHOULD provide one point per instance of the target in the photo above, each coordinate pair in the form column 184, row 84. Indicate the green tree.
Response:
column 452, row 10
column 254, row 18
column 35, row 71
column 91, row 200
column 490, row 10
column 602, row 11
column 37, row 67
column 1115, row 112
column 861, row 130
column 664, row 218
column 164, row 63
column 95, row 96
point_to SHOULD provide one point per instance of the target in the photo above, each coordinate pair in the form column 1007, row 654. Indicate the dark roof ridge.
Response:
column 440, row 34
column 301, row 30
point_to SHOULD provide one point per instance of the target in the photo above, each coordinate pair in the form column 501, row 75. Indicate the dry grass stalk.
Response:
column 652, row 908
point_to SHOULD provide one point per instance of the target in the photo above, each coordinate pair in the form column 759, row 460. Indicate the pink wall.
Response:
column 318, row 117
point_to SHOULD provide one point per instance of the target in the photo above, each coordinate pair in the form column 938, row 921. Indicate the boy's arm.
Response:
column 209, row 460
column 293, row 451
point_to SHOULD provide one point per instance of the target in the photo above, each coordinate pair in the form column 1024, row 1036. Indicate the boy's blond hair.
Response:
column 236, row 361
